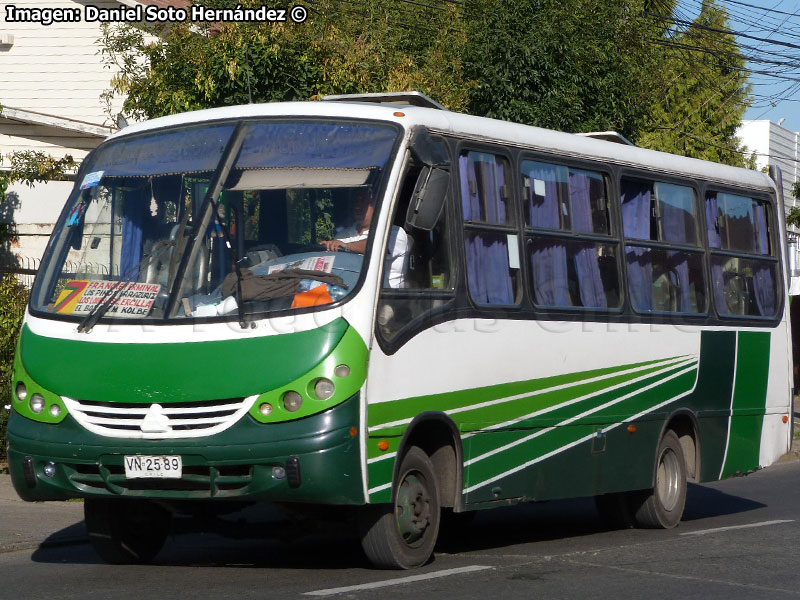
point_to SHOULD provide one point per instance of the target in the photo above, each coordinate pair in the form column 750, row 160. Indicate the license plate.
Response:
column 156, row 467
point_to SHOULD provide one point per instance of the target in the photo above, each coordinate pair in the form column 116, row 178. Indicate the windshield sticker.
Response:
column 315, row 263
column 79, row 297
column 76, row 214
column 92, row 180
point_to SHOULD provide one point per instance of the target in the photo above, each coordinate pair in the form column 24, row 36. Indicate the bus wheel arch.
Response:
column 437, row 435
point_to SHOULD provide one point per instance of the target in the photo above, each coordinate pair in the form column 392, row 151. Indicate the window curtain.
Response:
column 714, row 241
column 586, row 258
column 133, row 224
column 549, row 259
column 763, row 284
column 488, row 274
column 678, row 225
column 636, row 224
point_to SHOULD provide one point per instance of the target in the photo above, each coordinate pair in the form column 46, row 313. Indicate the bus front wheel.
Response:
column 401, row 535
column 126, row 531
column 662, row 506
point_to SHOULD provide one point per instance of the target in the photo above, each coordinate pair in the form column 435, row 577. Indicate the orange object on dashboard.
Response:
column 313, row 297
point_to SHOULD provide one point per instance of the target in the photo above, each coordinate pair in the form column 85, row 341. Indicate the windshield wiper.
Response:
column 111, row 294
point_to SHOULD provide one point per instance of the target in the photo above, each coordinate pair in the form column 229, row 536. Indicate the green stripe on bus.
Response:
column 518, row 409
column 407, row 408
column 750, row 394
column 560, row 437
column 617, row 412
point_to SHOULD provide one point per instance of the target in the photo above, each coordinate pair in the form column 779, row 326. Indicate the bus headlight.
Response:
column 292, row 401
column 22, row 391
column 37, row 403
column 324, row 388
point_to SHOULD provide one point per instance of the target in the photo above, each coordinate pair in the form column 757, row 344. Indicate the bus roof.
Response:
column 478, row 128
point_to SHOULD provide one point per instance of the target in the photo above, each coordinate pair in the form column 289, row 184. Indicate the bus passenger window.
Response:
column 661, row 279
column 490, row 240
column 744, row 273
column 560, row 205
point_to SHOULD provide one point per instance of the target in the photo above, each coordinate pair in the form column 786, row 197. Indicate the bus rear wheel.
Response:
column 126, row 531
column 662, row 506
column 402, row 535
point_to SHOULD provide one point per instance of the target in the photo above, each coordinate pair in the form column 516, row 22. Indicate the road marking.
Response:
column 748, row 526
column 398, row 581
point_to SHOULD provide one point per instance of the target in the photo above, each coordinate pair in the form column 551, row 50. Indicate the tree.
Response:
column 571, row 65
column 342, row 48
column 703, row 92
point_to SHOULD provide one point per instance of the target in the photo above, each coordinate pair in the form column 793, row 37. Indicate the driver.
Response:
column 354, row 239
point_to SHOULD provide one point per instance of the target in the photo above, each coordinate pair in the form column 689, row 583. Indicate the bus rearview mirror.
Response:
column 428, row 198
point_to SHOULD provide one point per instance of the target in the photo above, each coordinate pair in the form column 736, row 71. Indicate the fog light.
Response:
column 342, row 371
column 37, row 403
column 324, row 388
column 55, row 411
column 292, row 401
column 49, row 469
column 278, row 472
column 265, row 409
column 22, row 391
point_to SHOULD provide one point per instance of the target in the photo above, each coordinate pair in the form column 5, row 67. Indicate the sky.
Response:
column 775, row 87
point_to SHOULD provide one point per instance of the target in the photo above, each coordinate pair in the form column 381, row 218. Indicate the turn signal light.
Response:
column 383, row 445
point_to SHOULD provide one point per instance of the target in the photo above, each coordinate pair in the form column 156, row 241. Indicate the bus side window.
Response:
column 417, row 274
column 744, row 271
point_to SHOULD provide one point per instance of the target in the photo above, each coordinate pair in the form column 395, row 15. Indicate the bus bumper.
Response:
column 314, row 460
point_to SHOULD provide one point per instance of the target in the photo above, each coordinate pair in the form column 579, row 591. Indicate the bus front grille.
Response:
column 197, row 481
column 158, row 421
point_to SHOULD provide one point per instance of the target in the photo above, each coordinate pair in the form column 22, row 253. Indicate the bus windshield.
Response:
column 217, row 220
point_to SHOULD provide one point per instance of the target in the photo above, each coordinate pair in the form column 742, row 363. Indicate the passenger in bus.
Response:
column 354, row 239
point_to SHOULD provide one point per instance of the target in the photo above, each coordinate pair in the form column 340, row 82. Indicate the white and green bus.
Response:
column 400, row 309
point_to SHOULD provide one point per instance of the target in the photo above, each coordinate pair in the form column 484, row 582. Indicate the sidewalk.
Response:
column 25, row 525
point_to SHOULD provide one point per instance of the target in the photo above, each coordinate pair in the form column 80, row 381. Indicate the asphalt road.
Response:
column 738, row 540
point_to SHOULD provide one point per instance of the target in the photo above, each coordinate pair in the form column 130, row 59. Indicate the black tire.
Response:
column 662, row 507
column 126, row 531
column 615, row 510
column 402, row 535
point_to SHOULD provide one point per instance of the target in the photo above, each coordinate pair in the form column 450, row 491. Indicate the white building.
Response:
column 774, row 145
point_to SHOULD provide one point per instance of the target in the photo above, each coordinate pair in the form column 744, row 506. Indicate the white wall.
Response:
column 55, row 69
column 32, row 211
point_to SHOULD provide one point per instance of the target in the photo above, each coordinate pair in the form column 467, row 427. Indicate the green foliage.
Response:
column 793, row 215
column 703, row 93
column 571, row 65
column 13, row 298
column 338, row 50
column 31, row 167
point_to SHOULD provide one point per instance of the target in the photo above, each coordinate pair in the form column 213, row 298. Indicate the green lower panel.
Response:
column 749, row 401
column 234, row 464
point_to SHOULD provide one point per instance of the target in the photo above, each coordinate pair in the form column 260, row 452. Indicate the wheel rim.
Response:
column 413, row 509
column 668, row 479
